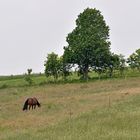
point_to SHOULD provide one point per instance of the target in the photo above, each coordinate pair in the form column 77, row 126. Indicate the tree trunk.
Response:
column 111, row 72
column 99, row 75
column 85, row 73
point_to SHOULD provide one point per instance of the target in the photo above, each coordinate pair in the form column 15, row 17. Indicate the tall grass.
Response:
column 119, row 122
column 103, row 109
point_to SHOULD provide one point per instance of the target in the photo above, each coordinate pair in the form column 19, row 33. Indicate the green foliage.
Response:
column 88, row 44
column 65, row 67
column 122, row 65
column 29, row 71
column 28, row 78
column 3, row 86
column 116, row 63
column 134, row 60
column 56, row 66
column 131, row 61
column 42, row 83
column 53, row 65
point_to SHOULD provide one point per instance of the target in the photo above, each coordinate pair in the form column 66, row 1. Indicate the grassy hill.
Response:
column 97, row 110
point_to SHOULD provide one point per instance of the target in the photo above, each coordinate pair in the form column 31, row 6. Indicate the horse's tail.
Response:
column 25, row 105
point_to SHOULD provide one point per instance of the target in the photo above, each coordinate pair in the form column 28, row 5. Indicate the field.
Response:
column 97, row 110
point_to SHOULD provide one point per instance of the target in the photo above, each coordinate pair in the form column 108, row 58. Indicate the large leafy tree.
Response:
column 88, row 44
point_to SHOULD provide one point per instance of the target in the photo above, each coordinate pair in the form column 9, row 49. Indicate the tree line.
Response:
column 88, row 49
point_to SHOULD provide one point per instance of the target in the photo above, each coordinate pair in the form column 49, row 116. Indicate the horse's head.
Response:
column 24, row 109
column 39, row 105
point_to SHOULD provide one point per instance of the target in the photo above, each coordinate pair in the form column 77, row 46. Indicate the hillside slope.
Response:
column 108, row 109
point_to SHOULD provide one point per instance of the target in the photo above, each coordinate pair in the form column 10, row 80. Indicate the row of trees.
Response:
column 88, row 49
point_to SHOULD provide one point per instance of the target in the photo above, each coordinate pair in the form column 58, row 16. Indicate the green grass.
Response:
column 41, row 79
column 120, row 122
column 97, row 110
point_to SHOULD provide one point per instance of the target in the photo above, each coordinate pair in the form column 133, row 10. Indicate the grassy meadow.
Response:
column 106, row 109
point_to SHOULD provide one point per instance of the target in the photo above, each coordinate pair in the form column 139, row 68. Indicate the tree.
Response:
column 134, row 60
column 29, row 71
column 88, row 44
column 113, row 63
column 122, row 64
column 137, row 61
column 52, row 65
column 28, row 78
column 131, row 61
column 65, row 67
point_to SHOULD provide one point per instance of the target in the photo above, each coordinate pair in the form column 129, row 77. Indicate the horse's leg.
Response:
column 34, row 106
column 29, row 107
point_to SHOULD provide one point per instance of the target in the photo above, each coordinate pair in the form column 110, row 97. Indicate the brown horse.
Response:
column 31, row 102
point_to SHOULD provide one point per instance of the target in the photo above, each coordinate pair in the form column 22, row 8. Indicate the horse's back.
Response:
column 30, row 101
column 35, row 100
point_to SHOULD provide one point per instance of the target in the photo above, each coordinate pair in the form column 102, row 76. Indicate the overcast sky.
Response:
column 30, row 29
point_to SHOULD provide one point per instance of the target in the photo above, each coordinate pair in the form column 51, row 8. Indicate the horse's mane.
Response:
column 25, row 105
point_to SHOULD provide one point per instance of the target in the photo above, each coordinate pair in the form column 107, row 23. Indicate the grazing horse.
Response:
column 31, row 102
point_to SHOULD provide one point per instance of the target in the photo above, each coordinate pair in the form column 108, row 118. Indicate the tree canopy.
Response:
column 88, row 44
column 52, row 65
column 134, row 60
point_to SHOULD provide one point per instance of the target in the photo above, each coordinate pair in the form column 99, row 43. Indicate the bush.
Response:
column 3, row 86
column 28, row 80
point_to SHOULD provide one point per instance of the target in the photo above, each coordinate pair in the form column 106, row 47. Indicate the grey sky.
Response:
column 30, row 29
